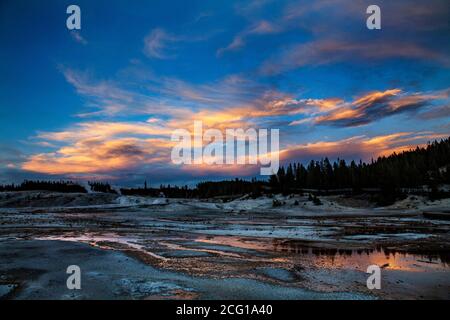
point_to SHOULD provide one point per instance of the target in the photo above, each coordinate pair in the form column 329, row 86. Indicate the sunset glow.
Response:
column 332, row 89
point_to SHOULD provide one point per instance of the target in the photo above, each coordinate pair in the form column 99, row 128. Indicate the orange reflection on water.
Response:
column 237, row 242
column 361, row 259
column 397, row 261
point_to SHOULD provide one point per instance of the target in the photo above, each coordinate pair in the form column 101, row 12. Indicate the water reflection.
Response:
column 361, row 258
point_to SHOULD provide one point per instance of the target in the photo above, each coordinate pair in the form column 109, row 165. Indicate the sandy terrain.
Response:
column 153, row 248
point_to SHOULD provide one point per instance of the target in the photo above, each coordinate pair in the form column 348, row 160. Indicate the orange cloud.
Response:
column 93, row 147
column 97, row 156
column 377, row 105
column 359, row 147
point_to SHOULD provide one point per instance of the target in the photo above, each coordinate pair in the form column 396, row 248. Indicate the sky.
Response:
column 101, row 102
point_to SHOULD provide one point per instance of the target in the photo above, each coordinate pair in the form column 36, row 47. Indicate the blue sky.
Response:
column 100, row 103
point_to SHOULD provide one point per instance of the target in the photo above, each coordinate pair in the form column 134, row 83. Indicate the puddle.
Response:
column 236, row 242
column 360, row 259
column 182, row 248
column 106, row 241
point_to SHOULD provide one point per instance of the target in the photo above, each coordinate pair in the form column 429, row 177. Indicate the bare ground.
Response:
column 202, row 250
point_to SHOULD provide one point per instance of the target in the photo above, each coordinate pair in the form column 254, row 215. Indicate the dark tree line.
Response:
column 57, row 186
column 166, row 191
column 207, row 189
column 231, row 188
column 423, row 166
column 101, row 187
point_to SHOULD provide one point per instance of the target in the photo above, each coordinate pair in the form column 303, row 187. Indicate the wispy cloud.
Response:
column 343, row 38
column 161, row 44
column 109, row 97
column 436, row 112
column 157, row 44
column 259, row 28
column 10, row 157
column 78, row 37
column 246, row 8
column 327, row 51
column 106, row 95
